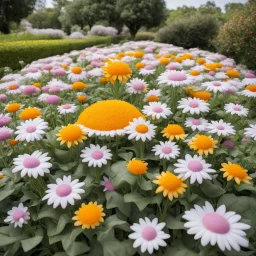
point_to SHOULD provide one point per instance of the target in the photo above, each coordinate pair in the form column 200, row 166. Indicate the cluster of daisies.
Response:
column 168, row 112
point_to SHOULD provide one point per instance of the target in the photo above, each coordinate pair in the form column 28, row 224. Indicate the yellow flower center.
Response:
column 79, row 85
column 76, row 70
column 170, row 181
column 233, row 73
column 71, row 133
column 89, row 214
column 13, row 107
column 164, row 61
column 30, row 113
column 194, row 73
column 141, row 128
column 13, row 142
column 118, row 68
column 236, row 170
column 153, row 98
column 137, row 167
column 203, row 142
column 251, row 87
column 138, row 54
column 108, row 115
column 200, row 61
column 81, row 98
column 174, row 129
column 201, row 95
column 38, row 85
column 140, row 65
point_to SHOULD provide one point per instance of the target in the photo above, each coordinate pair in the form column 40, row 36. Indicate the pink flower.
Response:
column 108, row 186
column 52, row 99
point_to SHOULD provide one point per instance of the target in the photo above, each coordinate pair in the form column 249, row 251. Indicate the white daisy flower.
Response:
column 250, row 78
column 32, row 165
column 148, row 235
column 236, row 109
column 18, row 215
column 152, row 95
column 31, row 130
column 166, row 150
column 96, row 155
column 221, row 75
column 147, row 70
column 194, row 167
column 14, row 89
column 137, row 86
column 174, row 78
column 157, row 110
column 42, row 97
column 76, row 74
column 139, row 129
column 196, row 123
column 193, row 105
column 95, row 72
column 215, row 86
column 67, row 108
column 33, row 75
column 220, row 128
column 63, row 192
column 216, row 227
column 251, row 131
column 249, row 91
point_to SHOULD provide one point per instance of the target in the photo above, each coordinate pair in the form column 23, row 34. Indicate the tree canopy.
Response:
column 135, row 14
column 14, row 11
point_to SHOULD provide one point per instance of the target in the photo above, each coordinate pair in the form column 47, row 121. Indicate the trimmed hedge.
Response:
column 13, row 52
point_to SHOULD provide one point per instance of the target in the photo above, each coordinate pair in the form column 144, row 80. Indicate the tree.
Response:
column 135, row 14
column 45, row 18
column 231, row 9
column 180, row 13
column 14, row 11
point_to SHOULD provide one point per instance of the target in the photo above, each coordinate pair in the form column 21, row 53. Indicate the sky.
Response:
column 173, row 4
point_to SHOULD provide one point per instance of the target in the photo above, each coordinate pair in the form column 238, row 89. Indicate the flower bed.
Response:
column 135, row 149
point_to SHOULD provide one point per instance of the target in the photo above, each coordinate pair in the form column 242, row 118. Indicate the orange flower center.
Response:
column 174, row 129
column 118, row 68
column 141, row 128
column 153, row 98
column 194, row 73
column 71, row 133
column 251, row 88
column 137, row 167
column 89, row 214
column 170, row 181
column 236, row 171
column 13, row 87
column 76, row 70
column 203, row 142
column 13, row 107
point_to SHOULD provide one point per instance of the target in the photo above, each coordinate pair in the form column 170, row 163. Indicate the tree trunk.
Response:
column 133, row 34
column 5, row 27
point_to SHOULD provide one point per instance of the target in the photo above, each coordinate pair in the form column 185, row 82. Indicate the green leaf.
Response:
column 127, row 156
column 66, row 167
column 121, row 174
column 144, row 184
column 63, row 220
column 211, row 190
column 52, row 138
column 179, row 250
column 30, row 243
column 5, row 240
column 245, row 186
column 48, row 212
column 113, row 248
column 174, row 223
column 5, row 193
column 114, row 200
column 141, row 201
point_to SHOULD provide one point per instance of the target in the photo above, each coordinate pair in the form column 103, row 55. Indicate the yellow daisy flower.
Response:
column 71, row 135
column 137, row 167
column 13, row 107
column 203, row 144
column 79, row 86
column 170, row 185
column 89, row 215
column 236, row 172
column 174, row 131
column 117, row 70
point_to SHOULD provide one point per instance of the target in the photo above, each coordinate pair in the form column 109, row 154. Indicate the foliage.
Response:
column 13, row 52
column 237, row 37
column 196, row 31
column 25, row 37
column 13, row 10
column 45, row 18
column 100, row 30
column 135, row 14
column 140, row 36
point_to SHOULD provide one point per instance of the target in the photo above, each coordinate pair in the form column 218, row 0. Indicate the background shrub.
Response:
column 141, row 36
column 237, row 37
column 100, row 30
column 13, row 52
column 196, row 31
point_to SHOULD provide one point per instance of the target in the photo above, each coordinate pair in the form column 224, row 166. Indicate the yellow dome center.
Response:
column 170, row 181
column 71, row 132
column 76, row 70
column 141, row 128
column 118, row 68
column 153, row 98
column 30, row 113
column 89, row 214
column 13, row 87
column 251, row 88
column 174, row 129
column 203, row 142
column 13, row 107
column 236, row 171
column 137, row 167
column 194, row 73
column 108, row 115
